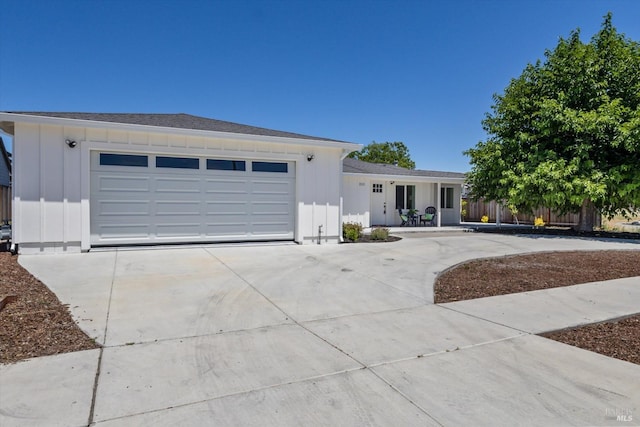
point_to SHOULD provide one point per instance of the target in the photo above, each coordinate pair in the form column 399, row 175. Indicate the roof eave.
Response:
column 408, row 177
column 7, row 120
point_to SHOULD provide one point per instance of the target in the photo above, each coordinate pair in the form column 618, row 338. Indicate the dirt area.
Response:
column 521, row 273
column 36, row 323
column 619, row 339
column 531, row 272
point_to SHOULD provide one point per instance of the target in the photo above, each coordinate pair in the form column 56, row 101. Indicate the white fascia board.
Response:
column 25, row 118
column 413, row 178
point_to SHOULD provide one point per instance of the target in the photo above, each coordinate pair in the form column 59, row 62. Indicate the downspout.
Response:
column 344, row 155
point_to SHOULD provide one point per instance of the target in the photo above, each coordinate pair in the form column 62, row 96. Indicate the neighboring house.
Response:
column 82, row 180
column 373, row 193
column 5, row 184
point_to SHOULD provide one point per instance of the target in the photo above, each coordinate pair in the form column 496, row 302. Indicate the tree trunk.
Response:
column 588, row 216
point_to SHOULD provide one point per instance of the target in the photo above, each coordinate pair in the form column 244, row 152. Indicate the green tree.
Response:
column 391, row 153
column 566, row 133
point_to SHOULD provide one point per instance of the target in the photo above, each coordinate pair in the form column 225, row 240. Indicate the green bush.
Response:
column 351, row 231
column 380, row 234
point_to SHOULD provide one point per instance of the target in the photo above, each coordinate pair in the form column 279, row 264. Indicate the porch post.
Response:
column 438, row 205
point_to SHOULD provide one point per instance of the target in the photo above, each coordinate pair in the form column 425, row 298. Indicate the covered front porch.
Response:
column 378, row 194
column 372, row 201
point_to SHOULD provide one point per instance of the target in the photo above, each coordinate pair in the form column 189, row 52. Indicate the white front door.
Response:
column 378, row 204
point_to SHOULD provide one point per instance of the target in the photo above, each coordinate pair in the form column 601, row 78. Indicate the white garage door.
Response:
column 145, row 198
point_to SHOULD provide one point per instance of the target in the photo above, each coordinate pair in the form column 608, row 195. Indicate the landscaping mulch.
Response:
column 366, row 238
column 35, row 323
column 530, row 272
column 619, row 339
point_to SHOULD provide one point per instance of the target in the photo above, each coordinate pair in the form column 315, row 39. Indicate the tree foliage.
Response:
column 391, row 153
column 566, row 133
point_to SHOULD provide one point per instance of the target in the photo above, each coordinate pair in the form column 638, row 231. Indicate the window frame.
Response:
column 235, row 165
column 183, row 162
column 446, row 197
column 405, row 196
column 103, row 160
column 275, row 166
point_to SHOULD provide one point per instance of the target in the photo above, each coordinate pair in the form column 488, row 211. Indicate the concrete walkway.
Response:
column 320, row 335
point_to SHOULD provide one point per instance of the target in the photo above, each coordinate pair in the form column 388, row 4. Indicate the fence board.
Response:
column 5, row 204
column 476, row 209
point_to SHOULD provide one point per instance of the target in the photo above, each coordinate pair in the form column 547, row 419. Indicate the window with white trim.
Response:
column 446, row 198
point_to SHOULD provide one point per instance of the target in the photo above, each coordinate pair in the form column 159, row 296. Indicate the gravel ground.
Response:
column 38, row 324
column 619, row 339
column 531, row 272
column 521, row 273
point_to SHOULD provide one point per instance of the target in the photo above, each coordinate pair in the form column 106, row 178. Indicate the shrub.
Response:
column 539, row 222
column 380, row 234
column 351, row 231
column 484, row 219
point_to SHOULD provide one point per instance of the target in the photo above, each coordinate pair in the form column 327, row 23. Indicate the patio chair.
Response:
column 413, row 217
column 429, row 216
column 404, row 218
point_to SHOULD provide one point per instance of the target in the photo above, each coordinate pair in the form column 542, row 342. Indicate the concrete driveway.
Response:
column 280, row 335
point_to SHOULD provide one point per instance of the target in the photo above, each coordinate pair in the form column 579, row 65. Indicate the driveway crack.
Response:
column 102, row 346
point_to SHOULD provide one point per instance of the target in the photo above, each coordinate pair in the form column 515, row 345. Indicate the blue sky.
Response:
column 420, row 72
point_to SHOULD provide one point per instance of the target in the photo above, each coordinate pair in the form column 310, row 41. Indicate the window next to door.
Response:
column 446, row 198
column 405, row 199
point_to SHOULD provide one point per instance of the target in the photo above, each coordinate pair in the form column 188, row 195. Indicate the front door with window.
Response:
column 447, row 206
column 378, row 204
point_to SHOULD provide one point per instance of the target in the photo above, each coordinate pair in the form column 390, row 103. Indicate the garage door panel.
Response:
column 271, row 208
column 184, row 229
column 122, row 183
column 152, row 204
column 123, row 207
column 228, row 212
column 225, row 185
column 177, row 185
column 177, row 208
column 269, row 218
column 226, row 229
column 124, row 231
column 270, row 229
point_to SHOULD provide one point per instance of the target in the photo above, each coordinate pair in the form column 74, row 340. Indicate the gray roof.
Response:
column 180, row 121
column 350, row 165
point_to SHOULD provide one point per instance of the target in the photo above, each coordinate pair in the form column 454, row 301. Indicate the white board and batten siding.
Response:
column 64, row 200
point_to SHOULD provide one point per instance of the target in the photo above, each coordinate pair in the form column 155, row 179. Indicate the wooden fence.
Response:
column 476, row 209
column 5, row 204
